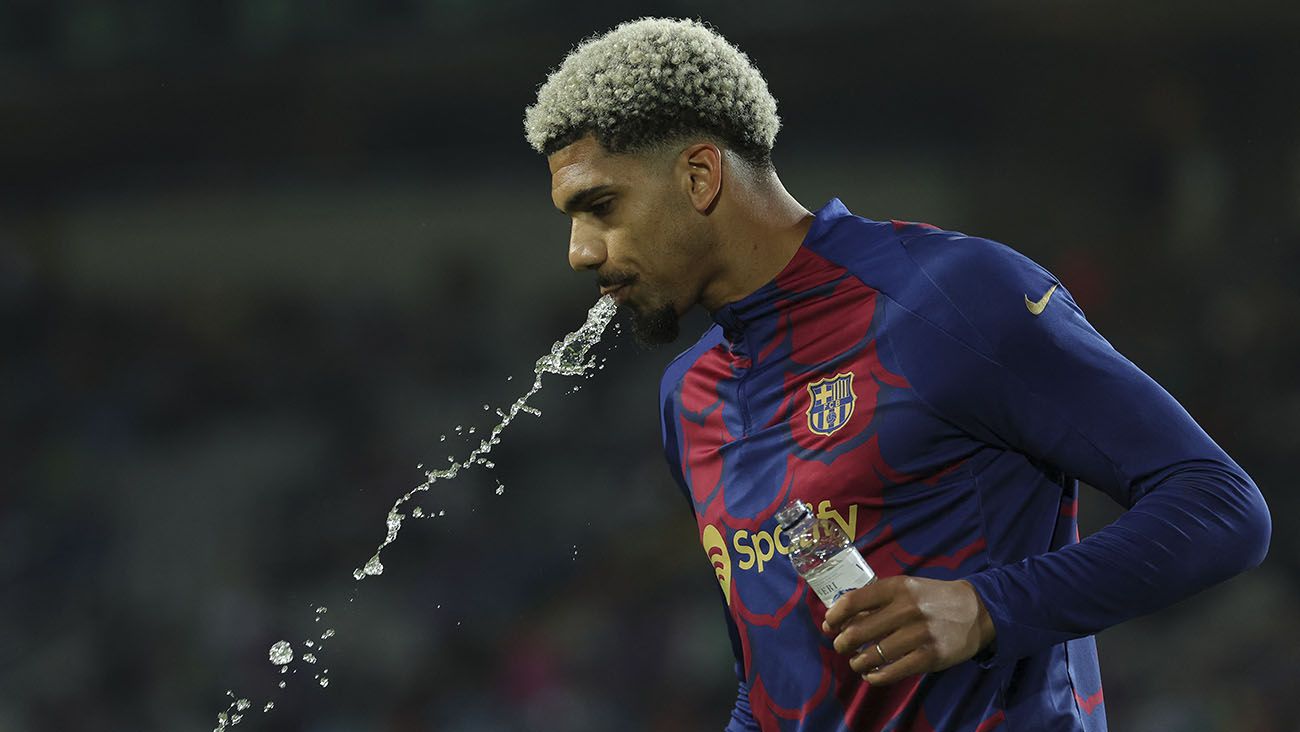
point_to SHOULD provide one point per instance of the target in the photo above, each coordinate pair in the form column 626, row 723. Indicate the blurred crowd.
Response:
column 258, row 260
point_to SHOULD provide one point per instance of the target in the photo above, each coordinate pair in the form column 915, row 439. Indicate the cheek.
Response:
column 685, row 251
column 659, row 249
column 620, row 250
column 636, row 247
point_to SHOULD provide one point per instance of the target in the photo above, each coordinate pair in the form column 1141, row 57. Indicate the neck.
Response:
column 762, row 227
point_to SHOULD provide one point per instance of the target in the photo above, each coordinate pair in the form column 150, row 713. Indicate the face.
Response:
column 635, row 228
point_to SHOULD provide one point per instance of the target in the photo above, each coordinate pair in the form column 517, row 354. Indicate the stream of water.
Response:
column 569, row 356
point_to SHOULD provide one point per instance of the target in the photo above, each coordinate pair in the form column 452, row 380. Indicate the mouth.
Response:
column 618, row 292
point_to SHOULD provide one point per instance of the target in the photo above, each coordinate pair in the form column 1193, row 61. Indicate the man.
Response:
column 937, row 395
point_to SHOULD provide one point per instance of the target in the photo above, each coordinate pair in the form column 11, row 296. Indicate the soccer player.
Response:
column 938, row 395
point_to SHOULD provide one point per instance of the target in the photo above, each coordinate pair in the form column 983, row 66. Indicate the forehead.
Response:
column 585, row 164
column 577, row 164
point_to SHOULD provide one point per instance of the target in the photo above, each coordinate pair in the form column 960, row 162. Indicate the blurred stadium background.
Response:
column 257, row 255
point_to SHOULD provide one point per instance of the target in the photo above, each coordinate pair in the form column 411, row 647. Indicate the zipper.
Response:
column 740, row 388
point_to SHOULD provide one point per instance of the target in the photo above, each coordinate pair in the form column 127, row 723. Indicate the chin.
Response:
column 654, row 326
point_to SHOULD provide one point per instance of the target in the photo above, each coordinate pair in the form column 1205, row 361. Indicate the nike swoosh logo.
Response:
column 1037, row 308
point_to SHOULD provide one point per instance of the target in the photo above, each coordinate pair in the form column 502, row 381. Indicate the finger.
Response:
column 895, row 647
column 870, row 597
column 919, row 661
column 866, row 628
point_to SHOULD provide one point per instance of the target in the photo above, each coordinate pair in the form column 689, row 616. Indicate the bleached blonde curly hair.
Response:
column 654, row 80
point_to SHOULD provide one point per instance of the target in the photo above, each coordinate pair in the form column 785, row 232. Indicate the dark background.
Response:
column 256, row 256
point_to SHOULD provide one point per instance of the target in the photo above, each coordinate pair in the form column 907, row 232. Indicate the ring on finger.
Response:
column 883, row 658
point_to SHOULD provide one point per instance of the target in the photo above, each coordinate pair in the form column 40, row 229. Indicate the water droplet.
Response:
column 510, row 378
column 500, row 489
column 242, row 704
column 394, row 525
column 269, row 706
column 281, row 653
column 374, row 566
column 310, row 644
column 309, row 658
column 568, row 356
column 281, row 684
column 329, row 633
column 325, row 681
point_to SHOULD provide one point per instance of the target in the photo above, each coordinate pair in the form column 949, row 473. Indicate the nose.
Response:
column 586, row 249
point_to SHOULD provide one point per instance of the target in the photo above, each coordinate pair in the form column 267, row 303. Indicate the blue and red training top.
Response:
column 940, row 396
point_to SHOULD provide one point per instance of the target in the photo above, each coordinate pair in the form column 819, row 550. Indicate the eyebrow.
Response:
column 582, row 198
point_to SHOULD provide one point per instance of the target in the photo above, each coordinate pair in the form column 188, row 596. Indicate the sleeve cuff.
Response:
column 1008, row 642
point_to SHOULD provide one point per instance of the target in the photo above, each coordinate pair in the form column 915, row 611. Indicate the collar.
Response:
column 735, row 317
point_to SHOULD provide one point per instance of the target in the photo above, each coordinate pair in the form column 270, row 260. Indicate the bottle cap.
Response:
column 793, row 513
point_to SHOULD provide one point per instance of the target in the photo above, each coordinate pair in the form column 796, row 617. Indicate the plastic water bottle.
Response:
column 822, row 553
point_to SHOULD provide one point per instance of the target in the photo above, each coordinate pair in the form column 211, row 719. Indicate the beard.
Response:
column 652, row 324
column 655, row 326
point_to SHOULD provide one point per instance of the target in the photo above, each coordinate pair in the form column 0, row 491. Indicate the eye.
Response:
column 602, row 207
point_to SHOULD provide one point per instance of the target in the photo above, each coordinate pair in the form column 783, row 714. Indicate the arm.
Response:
column 742, row 718
column 1051, row 387
column 1057, row 391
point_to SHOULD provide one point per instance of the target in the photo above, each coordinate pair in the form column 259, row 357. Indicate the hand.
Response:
column 921, row 625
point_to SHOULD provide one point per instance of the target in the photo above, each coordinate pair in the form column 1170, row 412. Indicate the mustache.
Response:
column 614, row 279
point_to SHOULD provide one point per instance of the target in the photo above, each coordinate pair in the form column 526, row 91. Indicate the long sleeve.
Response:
column 1049, row 386
column 742, row 718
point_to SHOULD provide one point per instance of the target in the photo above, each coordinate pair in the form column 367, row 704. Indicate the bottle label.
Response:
column 842, row 573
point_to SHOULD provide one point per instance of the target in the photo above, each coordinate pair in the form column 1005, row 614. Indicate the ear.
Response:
column 700, row 171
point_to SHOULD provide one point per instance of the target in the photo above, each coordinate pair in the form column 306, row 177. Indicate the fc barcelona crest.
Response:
column 831, row 405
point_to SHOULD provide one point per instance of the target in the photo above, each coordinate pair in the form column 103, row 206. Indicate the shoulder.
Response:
column 670, row 387
column 995, row 293
column 677, row 368
column 970, row 268
column 966, row 288
column 970, row 289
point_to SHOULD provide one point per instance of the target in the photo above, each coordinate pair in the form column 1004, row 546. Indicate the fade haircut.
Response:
column 651, row 81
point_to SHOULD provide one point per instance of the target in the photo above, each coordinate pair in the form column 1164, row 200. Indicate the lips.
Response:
column 618, row 292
